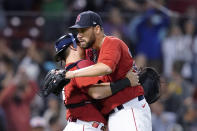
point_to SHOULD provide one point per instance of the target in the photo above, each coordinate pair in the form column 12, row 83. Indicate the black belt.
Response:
column 140, row 98
column 75, row 105
column 120, row 107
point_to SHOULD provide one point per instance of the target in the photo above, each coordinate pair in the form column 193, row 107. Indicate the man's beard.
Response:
column 91, row 42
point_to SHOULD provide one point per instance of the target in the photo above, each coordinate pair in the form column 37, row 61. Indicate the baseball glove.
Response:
column 54, row 82
column 150, row 80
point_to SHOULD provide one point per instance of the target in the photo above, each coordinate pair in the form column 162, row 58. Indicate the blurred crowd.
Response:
column 159, row 33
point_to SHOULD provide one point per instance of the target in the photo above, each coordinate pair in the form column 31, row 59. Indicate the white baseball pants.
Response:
column 80, row 125
column 135, row 116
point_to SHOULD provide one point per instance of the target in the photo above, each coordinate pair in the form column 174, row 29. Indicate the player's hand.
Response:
column 21, row 77
column 133, row 77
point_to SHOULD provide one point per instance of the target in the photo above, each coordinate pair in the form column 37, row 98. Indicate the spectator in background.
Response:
column 178, row 85
column 190, row 118
column 194, row 62
column 181, row 5
column 169, row 48
column 55, row 113
column 162, row 120
column 30, row 61
column 116, row 25
column 2, row 120
column 190, row 13
column 150, row 30
column 6, row 71
column 157, row 112
column 164, row 111
column 184, row 49
column 3, row 20
column 169, row 99
column 5, row 50
column 178, row 46
column 55, row 124
column 141, row 61
column 15, row 99
column 131, row 5
column 38, row 124
column 103, row 5
column 181, row 93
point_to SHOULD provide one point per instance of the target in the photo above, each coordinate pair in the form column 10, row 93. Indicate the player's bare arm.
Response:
column 98, row 69
column 103, row 90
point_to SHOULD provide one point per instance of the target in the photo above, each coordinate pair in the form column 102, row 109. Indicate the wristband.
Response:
column 119, row 85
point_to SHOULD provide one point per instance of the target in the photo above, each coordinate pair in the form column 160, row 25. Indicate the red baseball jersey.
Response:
column 77, row 91
column 117, row 56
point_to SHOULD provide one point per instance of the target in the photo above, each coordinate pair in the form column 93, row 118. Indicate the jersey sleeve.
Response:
column 84, row 83
column 84, row 63
column 110, row 53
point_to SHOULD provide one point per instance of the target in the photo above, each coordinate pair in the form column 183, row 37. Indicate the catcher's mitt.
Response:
column 54, row 82
column 150, row 80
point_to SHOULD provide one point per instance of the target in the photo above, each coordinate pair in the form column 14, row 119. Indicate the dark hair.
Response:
column 63, row 54
column 53, row 119
column 177, row 66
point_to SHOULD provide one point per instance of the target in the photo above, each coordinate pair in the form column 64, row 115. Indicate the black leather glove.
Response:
column 150, row 80
column 54, row 82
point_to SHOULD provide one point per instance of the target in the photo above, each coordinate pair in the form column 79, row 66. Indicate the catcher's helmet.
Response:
column 62, row 43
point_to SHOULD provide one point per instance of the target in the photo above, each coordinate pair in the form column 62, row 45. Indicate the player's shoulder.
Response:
column 84, row 63
column 113, row 39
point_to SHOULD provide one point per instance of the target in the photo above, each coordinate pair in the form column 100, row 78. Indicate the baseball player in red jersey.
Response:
column 85, row 117
column 127, row 109
column 81, row 112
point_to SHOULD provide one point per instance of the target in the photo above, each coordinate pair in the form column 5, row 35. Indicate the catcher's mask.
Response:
column 62, row 43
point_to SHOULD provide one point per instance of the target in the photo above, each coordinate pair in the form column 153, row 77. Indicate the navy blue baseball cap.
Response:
column 62, row 43
column 87, row 19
